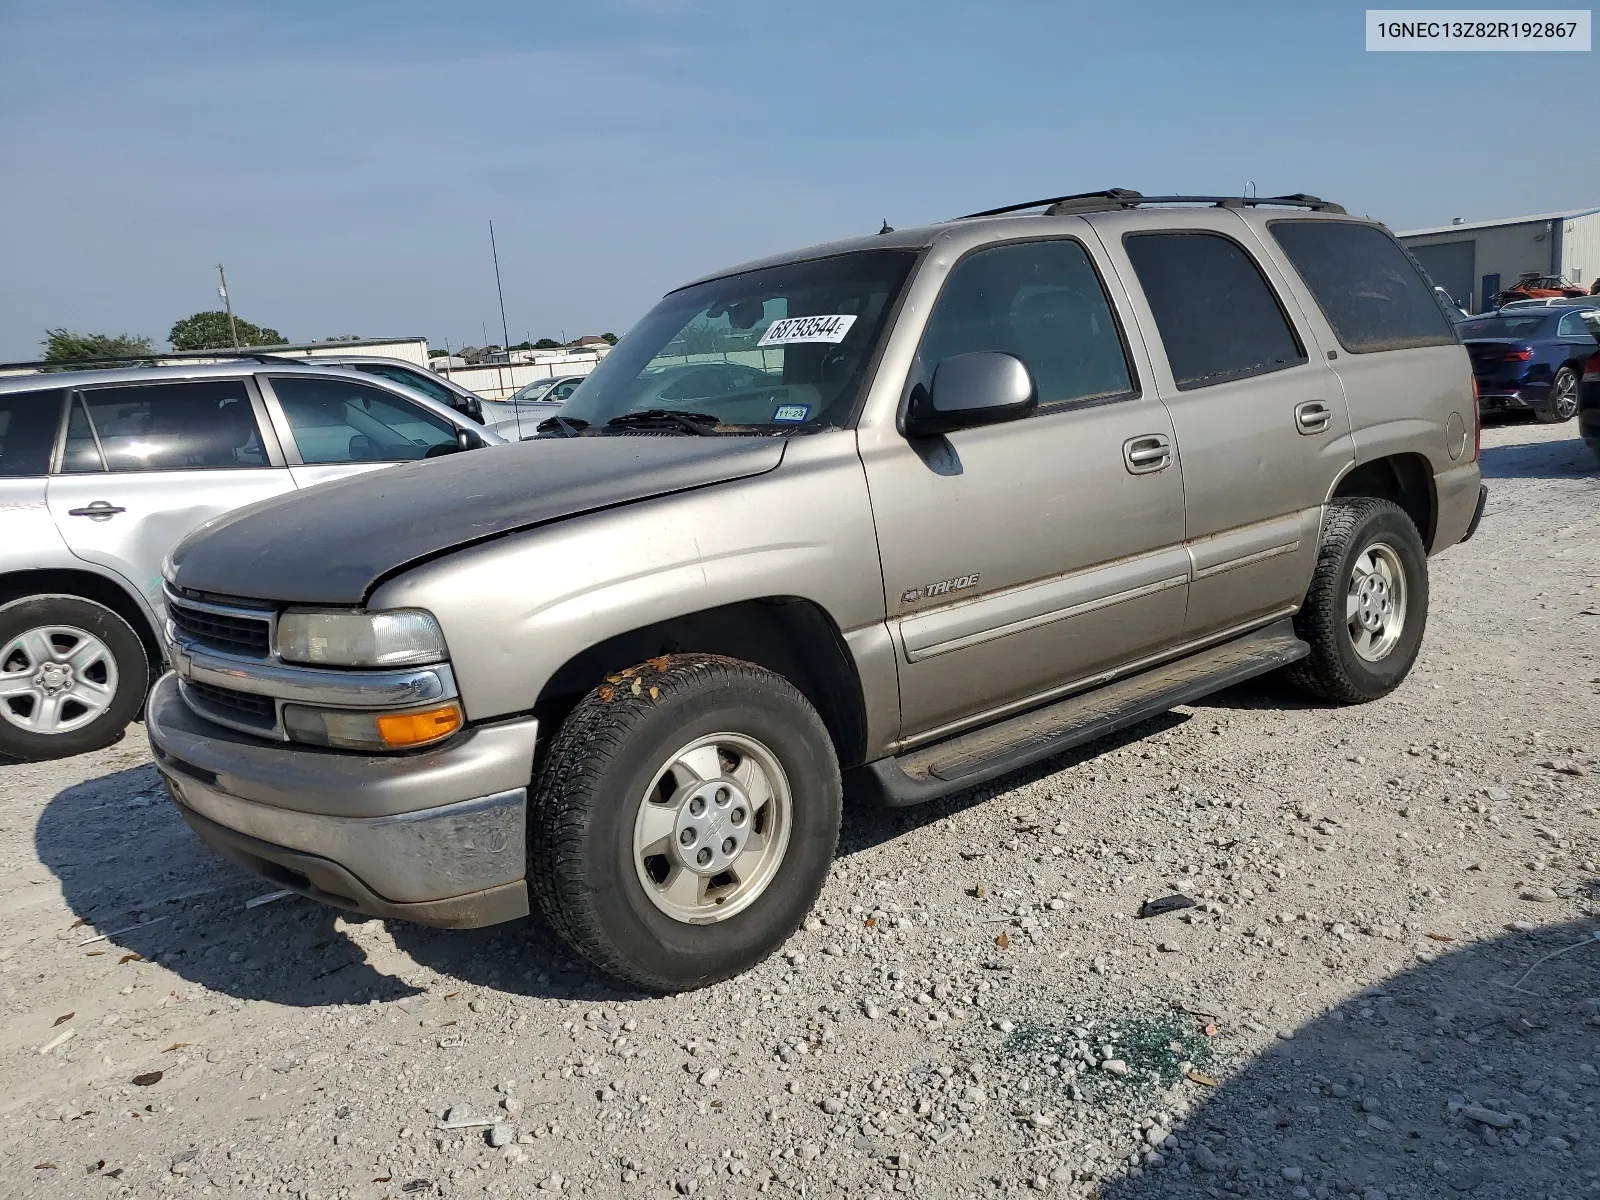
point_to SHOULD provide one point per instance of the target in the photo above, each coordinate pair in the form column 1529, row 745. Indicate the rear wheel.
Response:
column 1365, row 612
column 1563, row 402
column 72, row 675
column 684, row 820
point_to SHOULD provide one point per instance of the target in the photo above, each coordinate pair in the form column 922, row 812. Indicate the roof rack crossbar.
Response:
column 1113, row 199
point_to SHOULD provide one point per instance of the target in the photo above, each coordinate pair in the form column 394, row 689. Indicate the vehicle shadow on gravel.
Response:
column 1539, row 460
column 130, row 867
column 1448, row 1079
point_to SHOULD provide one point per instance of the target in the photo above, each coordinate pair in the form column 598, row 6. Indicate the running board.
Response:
column 968, row 759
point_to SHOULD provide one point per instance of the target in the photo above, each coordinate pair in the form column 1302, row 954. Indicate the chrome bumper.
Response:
column 438, row 836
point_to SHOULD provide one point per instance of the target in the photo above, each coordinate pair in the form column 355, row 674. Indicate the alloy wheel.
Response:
column 55, row 679
column 712, row 828
column 1375, row 604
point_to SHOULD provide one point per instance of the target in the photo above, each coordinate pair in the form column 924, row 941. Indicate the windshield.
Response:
column 1504, row 327
column 533, row 391
column 783, row 348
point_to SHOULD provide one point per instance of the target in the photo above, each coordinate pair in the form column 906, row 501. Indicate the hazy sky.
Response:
column 343, row 160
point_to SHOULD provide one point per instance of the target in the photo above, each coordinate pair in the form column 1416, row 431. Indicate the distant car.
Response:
column 530, row 404
column 1539, row 288
column 1589, row 404
column 430, row 383
column 1453, row 310
column 1532, row 358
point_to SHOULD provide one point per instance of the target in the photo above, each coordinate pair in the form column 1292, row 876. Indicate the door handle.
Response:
column 1148, row 453
column 99, row 510
column 1313, row 416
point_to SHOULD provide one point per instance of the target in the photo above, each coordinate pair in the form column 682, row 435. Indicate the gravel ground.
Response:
column 1388, row 987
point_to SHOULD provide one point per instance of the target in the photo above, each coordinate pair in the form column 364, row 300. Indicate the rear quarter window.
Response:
column 1371, row 291
column 28, row 422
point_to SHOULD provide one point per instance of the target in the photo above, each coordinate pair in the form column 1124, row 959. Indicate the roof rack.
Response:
column 152, row 360
column 1113, row 199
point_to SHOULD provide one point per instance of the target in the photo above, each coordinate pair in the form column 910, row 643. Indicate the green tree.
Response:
column 547, row 344
column 609, row 338
column 62, row 345
column 210, row 331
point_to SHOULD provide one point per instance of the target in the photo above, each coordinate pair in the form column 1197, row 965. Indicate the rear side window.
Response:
column 164, row 427
column 339, row 421
column 1039, row 301
column 1367, row 286
column 28, row 422
column 1582, row 323
column 1218, row 317
column 412, row 379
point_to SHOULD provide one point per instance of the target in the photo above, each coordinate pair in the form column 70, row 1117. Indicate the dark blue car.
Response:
column 1532, row 358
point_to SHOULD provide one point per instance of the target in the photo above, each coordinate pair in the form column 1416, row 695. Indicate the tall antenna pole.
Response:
column 505, row 333
column 227, row 300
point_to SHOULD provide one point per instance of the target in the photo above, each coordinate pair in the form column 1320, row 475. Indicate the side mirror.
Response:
column 979, row 388
column 466, row 439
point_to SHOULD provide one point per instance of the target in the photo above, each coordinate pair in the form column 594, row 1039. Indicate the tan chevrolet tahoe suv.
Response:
column 915, row 510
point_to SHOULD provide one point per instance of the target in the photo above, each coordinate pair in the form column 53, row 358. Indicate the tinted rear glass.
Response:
column 1219, row 320
column 1503, row 327
column 28, row 422
column 1367, row 286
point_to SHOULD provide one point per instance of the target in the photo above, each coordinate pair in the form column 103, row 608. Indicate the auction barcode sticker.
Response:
column 1477, row 29
column 807, row 329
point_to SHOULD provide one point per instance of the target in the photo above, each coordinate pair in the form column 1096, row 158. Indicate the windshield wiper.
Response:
column 568, row 428
column 701, row 424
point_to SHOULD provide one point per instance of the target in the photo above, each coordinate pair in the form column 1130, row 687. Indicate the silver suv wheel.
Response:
column 1375, row 606
column 55, row 679
column 712, row 828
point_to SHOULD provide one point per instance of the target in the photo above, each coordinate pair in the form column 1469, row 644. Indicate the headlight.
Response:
column 370, row 730
column 402, row 637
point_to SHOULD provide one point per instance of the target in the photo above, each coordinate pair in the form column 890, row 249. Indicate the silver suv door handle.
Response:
column 1313, row 416
column 1142, row 455
column 99, row 510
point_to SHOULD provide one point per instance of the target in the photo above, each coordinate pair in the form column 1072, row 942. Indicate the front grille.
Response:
column 221, row 631
column 259, row 712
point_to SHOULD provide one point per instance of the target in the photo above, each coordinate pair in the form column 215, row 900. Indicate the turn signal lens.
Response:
column 415, row 728
column 358, row 730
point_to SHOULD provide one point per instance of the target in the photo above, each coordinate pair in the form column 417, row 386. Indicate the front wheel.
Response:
column 72, row 675
column 1367, row 606
column 684, row 820
column 1563, row 402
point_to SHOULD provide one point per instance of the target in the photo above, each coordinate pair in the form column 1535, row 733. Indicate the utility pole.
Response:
column 227, row 300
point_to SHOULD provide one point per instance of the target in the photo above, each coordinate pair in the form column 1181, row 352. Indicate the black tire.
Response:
column 1334, row 670
column 132, row 668
column 1562, row 405
column 588, row 792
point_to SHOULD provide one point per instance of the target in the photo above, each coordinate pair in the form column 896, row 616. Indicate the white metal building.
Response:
column 1473, row 260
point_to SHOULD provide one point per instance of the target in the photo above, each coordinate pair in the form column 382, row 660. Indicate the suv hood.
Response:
column 333, row 543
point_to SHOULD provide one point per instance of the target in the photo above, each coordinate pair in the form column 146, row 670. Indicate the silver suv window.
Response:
column 28, row 424
column 204, row 425
column 1043, row 303
column 1218, row 318
column 335, row 421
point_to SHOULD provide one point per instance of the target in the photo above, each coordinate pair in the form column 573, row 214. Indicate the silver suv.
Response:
column 922, row 508
column 102, row 472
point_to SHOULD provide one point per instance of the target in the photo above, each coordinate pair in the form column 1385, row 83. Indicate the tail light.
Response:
column 1521, row 355
column 1477, row 418
column 1591, row 369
